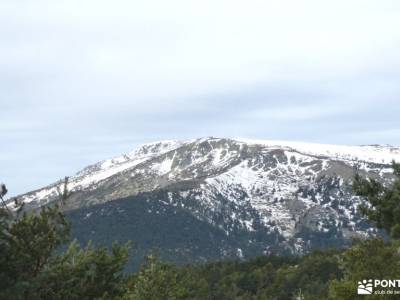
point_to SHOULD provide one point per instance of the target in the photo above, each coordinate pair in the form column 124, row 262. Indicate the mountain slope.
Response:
column 261, row 196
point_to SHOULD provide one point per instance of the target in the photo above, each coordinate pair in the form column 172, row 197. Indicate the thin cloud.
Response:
column 85, row 80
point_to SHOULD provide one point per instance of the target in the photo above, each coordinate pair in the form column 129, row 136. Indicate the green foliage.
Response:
column 372, row 259
column 383, row 203
column 27, row 245
column 89, row 273
column 265, row 277
column 310, row 277
column 33, row 267
column 268, row 277
column 156, row 281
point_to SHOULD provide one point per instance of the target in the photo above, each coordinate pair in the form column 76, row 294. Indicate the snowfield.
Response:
column 294, row 195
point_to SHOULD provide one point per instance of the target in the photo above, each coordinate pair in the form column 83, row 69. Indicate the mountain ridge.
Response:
column 127, row 160
column 271, row 196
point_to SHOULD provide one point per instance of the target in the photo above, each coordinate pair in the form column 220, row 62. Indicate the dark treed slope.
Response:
column 212, row 198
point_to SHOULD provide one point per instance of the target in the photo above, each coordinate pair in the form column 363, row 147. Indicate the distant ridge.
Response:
column 262, row 196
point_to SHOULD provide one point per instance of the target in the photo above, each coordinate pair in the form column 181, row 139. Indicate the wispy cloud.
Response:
column 84, row 80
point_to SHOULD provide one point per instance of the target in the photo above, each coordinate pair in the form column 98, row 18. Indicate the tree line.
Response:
column 34, row 264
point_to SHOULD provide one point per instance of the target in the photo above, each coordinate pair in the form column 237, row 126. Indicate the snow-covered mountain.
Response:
column 276, row 195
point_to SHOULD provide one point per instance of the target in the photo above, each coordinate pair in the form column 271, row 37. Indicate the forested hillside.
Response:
column 33, row 266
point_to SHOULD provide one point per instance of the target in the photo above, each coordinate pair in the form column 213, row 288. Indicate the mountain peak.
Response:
column 216, row 150
column 290, row 191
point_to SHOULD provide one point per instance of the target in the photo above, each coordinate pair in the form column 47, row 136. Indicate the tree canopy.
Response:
column 38, row 260
column 383, row 202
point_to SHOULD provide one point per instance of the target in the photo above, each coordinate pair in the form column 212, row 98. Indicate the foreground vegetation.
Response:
column 33, row 266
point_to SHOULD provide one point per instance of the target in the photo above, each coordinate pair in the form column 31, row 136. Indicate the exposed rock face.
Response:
column 260, row 196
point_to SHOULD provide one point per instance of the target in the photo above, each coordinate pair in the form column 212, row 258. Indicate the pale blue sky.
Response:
column 82, row 81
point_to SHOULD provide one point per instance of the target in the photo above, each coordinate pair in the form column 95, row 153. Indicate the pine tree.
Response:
column 32, row 265
column 383, row 203
column 156, row 281
column 373, row 258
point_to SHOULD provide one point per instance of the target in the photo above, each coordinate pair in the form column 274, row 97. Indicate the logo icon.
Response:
column 365, row 287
